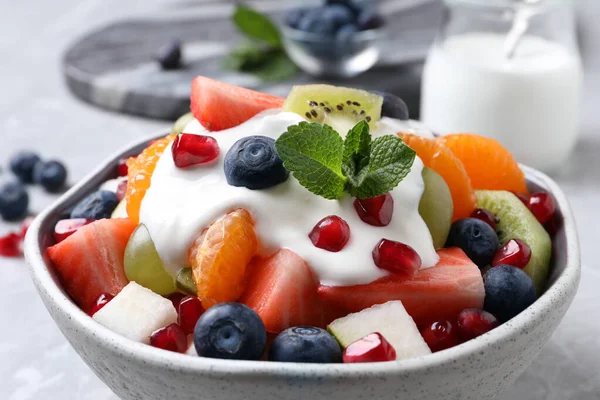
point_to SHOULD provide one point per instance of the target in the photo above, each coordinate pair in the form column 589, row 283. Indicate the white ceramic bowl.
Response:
column 478, row 369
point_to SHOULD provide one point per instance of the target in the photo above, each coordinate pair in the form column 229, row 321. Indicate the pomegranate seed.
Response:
column 10, row 245
column 553, row 225
column 122, row 167
column 189, row 149
column 25, row 226
column 101, row 301
column 486, row 216
column 376, row 211
column 372, row 348
column 121, row 190
column 190, row 309
column 176, row 299
column 542, row 206
column 396, row 257
column 171, row 338
column 440, row 335
column 474, row 322
column 524, row 199
column 66, row 227
column 331, row 233
column 515, row 252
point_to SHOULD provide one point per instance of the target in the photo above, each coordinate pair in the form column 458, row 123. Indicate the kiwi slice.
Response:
column 517, row 222
column 338, row 107
column 436, row 207
column 181, row 123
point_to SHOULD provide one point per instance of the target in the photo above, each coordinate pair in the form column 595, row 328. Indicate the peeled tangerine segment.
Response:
column 517, row 222
column 219, row 258
column 436, row 207
column 338, row 107
column 391, row 320
column 136, row 312
column 143, row 264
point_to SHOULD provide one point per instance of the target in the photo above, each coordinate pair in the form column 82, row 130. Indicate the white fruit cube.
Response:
column 389, row 319
column 191, row 347
column 136, row 312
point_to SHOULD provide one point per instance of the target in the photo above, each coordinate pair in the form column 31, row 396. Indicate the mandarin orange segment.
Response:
column 440, row 158
column 489, row 164
column 219, row 258
column 140, row 174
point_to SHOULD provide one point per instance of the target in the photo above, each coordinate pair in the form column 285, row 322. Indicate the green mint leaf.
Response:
column 247, row 57
column 277, row 67
column 391, row 160
column 257, row 26
column 313, row 153
column 357, row 149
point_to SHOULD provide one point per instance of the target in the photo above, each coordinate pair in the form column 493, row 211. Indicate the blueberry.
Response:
column 231, row 331
column 22, row 165
column 508, row 291
column 293, row 16
column 369, row 19
column 169, row 56
column 52, row 175
column 14, row 200
column 97, row 205
column 393, row 106
column 253, row 162
column 349, row 4
column 476, row 238
column 305, row 344
column 313, row 21
column 346, row 33
column 338, row 15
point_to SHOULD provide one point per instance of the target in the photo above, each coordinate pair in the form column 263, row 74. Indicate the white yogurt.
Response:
column 529, row 103
column 181, row 203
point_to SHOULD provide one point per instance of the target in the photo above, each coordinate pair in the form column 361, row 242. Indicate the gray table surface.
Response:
column 37, row 112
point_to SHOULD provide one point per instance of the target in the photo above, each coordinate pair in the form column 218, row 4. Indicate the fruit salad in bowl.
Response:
column 265, row 236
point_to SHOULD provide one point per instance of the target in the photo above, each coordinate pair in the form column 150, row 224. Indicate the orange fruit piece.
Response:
column 140, row 173
column 489, row 164
column 440, row 158
column 220, row 255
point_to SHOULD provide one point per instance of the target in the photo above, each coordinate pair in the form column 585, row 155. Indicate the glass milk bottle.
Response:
column 509, row 70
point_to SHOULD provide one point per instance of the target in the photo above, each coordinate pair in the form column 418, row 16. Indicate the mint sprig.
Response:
column 327, row 166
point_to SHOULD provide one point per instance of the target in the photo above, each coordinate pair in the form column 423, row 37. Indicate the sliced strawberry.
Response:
column 437, row 293
column 218, row 105
column 90, row 261
column 283, row 291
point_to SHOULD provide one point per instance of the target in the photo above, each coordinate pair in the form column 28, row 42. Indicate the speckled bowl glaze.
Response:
column 478, row 369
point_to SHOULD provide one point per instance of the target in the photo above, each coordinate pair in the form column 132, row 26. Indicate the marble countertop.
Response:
column 37, row 112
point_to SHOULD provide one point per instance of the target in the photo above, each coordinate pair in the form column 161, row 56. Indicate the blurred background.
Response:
column 83, row 78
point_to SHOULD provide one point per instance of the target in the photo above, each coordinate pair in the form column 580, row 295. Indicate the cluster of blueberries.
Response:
column 28, row 168
column 337, row 18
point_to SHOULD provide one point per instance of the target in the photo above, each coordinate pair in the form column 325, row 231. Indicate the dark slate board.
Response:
column 113, row 68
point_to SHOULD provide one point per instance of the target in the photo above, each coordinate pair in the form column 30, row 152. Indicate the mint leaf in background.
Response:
column 277, row 67
column 357, row 149
column 257, row 26
column 247, row 57
column 391, row 160
column 313, row 153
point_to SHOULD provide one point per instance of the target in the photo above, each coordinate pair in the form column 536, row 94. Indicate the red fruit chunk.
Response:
column 486, row 216
column 396, row 257
column 515, row 252
column 440, row 335
column 102, row 300
column 218, row 105
column 176, row 299
column 122, row 167
column 524, row 199
column 432, row 294
column 121, row 190
column 542, row 206
column 553, row 225
column 376, row 211
column 90, row 261
column 283, row 291
column 189, row 312
column 474, row 322
column 189, row 150
column 371, row 348
column 25, row 226
column 331, row 233
column 171, row 338
column 66, row 227
column 10, row 245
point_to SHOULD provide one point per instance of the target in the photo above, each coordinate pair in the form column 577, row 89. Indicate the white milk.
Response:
column 529, row 103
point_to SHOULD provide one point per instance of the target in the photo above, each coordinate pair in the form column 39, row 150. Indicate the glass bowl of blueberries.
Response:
column 339, row 39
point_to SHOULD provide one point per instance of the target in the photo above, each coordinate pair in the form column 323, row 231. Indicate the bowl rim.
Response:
column 111, row 341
